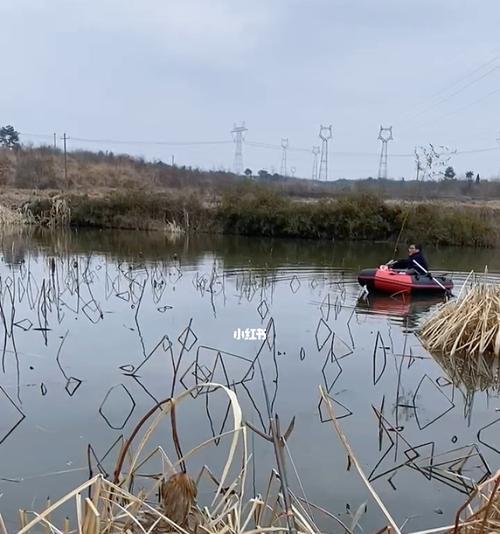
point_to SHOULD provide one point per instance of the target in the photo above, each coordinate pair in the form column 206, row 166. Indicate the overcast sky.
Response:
column 186, row 70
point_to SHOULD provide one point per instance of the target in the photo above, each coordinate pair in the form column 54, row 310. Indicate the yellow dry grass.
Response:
column 469, row 325
column 130, row 503
column 136, row 503
column 481, row 512
column 10, row 217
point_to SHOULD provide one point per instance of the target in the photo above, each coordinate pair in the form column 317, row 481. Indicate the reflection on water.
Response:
column 402, row 310
column 100, row 326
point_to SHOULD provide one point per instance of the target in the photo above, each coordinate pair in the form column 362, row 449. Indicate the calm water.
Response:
column 93, row 322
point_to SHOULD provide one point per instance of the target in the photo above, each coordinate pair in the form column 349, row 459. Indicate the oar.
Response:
column 446, row 290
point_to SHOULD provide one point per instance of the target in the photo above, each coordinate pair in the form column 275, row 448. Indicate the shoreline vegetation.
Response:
column 253, row 210
column 121, row 192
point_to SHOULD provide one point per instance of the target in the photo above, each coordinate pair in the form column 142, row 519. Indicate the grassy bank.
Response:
column 260, row 211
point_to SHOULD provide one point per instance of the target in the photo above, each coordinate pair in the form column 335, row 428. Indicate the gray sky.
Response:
column 186, row 70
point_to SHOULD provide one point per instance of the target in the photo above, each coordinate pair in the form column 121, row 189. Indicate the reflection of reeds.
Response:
column 474, row 374
column 469, row 325
column 480, row 514
column 173, row 228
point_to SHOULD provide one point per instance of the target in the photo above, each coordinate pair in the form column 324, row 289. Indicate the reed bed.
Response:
column 469, row 325
column 9, row 217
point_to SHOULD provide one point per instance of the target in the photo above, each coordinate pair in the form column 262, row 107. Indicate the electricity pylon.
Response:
column 325, row 134
column 238, row 133
column 384, row 135
column 315, row 152
column 284, row 146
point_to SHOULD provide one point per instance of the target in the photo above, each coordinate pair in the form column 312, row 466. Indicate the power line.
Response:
column 35, row 135
column 442, row 101
column 169, row 143
column 450, row 113
column 423, row 107
column 475, row 151
column 131, row 142
column 271, row 146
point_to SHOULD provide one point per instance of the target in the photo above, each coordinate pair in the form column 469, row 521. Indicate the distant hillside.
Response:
column 43, row 169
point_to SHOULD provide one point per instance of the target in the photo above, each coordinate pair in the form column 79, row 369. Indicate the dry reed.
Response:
column 113, row 507
column 9, row 217
column 166, row 502
column 481, row 512
column 469, row 325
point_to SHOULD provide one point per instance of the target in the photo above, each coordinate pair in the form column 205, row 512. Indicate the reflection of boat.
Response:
column 402, row 306
column 387, row 280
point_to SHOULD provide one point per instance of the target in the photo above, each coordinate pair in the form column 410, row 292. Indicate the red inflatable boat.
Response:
column 385, row 280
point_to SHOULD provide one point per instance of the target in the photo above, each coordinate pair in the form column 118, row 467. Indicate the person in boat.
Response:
column 415, row 260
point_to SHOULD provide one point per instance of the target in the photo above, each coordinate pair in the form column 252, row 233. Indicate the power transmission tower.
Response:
column 284, row 146
column 315, row 152
column 384, row 135
column 238, row 136
column 293, row 170
column 325, row 134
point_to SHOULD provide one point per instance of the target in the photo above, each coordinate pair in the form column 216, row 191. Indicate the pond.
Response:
column 100, row 326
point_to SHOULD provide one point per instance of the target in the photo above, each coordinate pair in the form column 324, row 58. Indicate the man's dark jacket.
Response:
column 409, row 263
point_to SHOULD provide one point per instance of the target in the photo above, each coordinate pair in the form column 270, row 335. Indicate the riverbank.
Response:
column 254, row 210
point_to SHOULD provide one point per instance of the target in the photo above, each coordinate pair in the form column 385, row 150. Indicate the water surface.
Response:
column 95, row 324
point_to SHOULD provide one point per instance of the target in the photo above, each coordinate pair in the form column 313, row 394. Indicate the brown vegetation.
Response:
column 43, row 168
column 130, row 503
column 118, row 191
column 468, row 325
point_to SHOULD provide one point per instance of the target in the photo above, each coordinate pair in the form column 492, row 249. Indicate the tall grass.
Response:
column 138, row 211
column 261, row 211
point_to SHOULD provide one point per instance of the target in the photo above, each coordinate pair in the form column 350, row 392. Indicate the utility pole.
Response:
column 384, row 135
column 417, row 163
column 498, row 139
column 315, row 152
column 173, row 160
column 65, row 138
column 238, row 136
column 325, row 134
column 55, row 142
column 284, row 146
